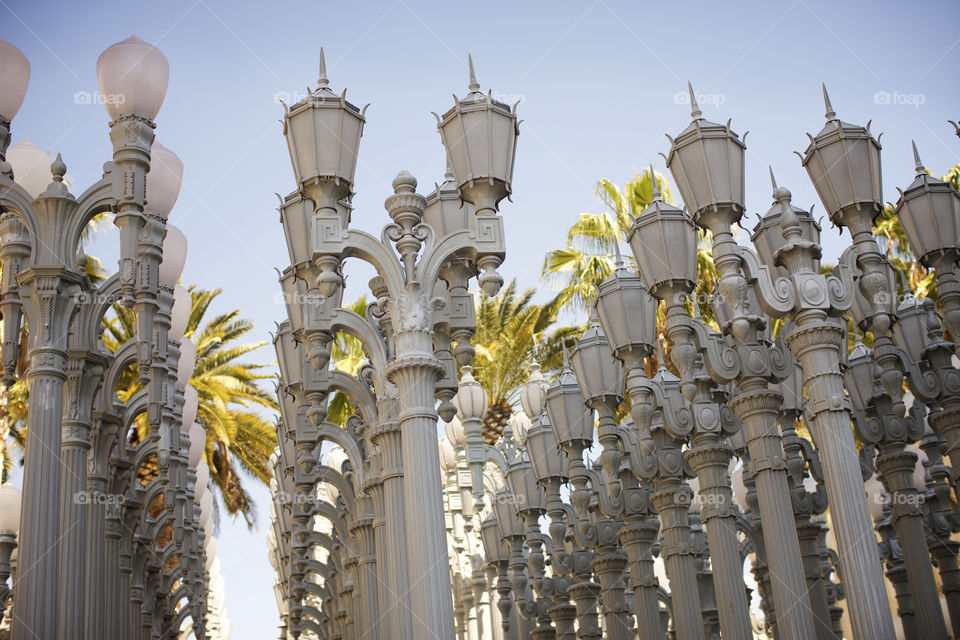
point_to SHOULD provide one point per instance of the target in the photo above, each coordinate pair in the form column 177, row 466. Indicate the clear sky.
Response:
column 600, row 83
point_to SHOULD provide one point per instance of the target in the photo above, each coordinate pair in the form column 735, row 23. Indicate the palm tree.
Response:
column 348, row 357
column 511, row 332
column 238, row 436
column 589, row 257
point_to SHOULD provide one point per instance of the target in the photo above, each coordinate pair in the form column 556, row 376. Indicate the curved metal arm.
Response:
column 775, row 295
column 361, row 244
column 356, row 391
column 719, row 358
column 841, row 289
column 643, row 466
column 346, row 321
column 610, row 506
column 925, row 385
column 437, row 254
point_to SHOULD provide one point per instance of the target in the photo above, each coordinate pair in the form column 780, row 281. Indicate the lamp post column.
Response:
column 47, row 293
column 84, row 375
column 638, row 536
column 672, row 501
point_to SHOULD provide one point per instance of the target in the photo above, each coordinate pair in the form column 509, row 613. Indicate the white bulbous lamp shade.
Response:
column 198, row 442
column 455, row 433
column 739, row 488
column 211, row 550
column 448, row 457
column 875, row 497
column 180, row 314
column 207, row 529
column 133, row 77
column 9, row 508
column 203, row 477
column 332, row 493
column 14, row 78
column 31, row 166
column 920, row 471
column 164, row 180
column 206, row 507
column 174, row 256
column 186, row 363
column 336, row 458
column 191, row 403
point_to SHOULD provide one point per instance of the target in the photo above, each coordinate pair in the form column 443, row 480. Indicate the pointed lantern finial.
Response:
column 830, row 113
column 694, row 107
column 654, row 186
column 323, row 82
column 916, row 159
column 618, row 259
column 773, row 180
column 474, row 85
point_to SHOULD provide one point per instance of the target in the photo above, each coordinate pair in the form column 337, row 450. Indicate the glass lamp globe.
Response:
column 471, row 399
column 739, row 488
column 186, row 363
column 335, row 458
column 203, row 477
column 133, row 77
column 191, row 403
column 164, row 180
column 206, row 507
column 875, row 497
column 455, row 433
column 180, row 313
column 198, row 442
column 448, row 457
column 9, row 508
column 14, row 78
column 31, row 166
column 174, row 256
column 210, row 548
column 533, row 396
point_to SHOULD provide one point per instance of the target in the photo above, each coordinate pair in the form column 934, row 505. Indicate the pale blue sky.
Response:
column 599, row 83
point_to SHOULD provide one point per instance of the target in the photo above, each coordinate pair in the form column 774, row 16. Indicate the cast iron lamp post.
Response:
column 479, row 134
column 929, row 210
column 628, row 314
column 46, row 287
column 878, row 425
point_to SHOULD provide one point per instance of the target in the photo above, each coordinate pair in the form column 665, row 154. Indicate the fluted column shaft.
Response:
column 414, row 371
column 76, row 503
column 584, row 595
column 808, row 533
column 95, row 585
column 897, row 469
column 609, row 570
column 816, row 343
column 36, row 599
column 898, row 578
column 945, row 553
column 395, row 578
column 709, row 460
column 637, row 539
column 757, row 408
column 672, row 502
